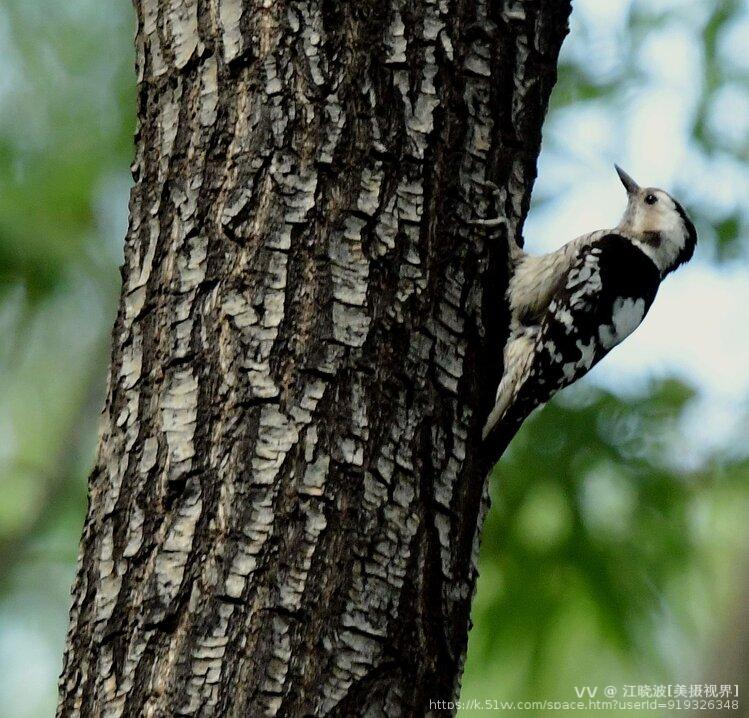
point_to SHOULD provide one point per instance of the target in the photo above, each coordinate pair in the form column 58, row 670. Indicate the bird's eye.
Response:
column 651, row 199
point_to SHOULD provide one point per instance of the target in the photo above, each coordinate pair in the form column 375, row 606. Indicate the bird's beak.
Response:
column 629, row 184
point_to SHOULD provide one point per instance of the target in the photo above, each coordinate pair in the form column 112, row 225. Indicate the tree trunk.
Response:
column 286, row 502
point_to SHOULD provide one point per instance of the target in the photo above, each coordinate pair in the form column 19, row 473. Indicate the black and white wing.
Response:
column 605, row 297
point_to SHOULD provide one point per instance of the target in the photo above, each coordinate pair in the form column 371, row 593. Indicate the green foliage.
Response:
column 66, row 123
column 716, row 74
column 582, row 496
column 727, row 233
column 593, row 524
column 66, row 127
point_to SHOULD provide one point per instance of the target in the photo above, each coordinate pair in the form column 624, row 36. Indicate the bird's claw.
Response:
column 494, row 221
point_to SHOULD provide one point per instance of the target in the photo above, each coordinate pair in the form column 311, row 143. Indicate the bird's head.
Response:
column 658, row 223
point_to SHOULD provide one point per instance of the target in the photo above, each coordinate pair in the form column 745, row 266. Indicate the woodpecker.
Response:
column 570, row 307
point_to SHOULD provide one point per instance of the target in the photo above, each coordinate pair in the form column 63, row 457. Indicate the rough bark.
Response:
column 286, row 502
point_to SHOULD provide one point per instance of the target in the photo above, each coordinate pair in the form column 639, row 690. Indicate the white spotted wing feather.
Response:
column 603, row 299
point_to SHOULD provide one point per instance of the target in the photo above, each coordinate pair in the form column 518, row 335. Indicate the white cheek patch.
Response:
column 668, row 223
column 626, row 317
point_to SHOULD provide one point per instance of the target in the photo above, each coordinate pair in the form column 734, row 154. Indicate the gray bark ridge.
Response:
column 288, row 491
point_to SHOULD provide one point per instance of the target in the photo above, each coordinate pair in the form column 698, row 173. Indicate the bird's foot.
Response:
column 490, row 221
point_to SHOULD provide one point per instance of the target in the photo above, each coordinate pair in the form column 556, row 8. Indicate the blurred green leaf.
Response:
column 728, row 232
column 588, row 512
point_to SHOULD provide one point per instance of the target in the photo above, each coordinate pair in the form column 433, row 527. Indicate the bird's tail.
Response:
column 518, row 358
